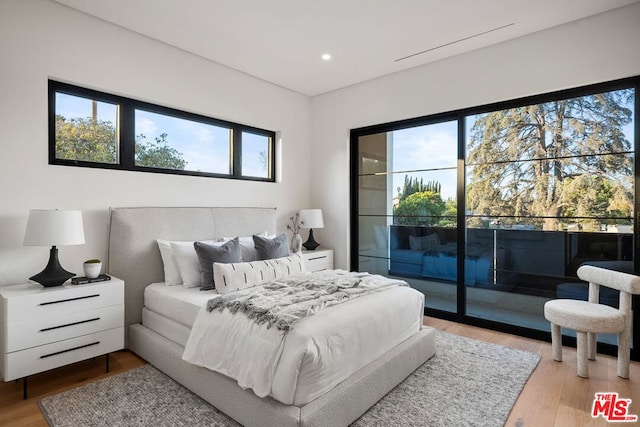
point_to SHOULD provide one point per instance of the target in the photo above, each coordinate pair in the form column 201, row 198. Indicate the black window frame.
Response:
column 126, row 137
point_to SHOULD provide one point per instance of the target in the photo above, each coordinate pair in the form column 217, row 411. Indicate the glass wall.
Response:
column 407, row 207
column 551, row 185
column 548, row 185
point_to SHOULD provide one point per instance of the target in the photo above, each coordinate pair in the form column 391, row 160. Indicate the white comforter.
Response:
column 317, row 354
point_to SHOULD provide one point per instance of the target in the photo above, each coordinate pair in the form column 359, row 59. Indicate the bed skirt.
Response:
column 339, row 407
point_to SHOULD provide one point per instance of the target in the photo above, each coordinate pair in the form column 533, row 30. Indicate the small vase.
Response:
column 92, row 269
column 296, row 243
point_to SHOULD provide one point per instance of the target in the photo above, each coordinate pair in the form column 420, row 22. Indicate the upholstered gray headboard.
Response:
column 133, row 252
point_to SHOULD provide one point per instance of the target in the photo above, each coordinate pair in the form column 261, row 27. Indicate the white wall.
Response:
column 596, row 49
column 40, row 39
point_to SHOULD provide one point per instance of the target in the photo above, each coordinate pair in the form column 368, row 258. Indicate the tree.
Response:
column 522, row 159
column 85, row 139
column 92, row 140
column 413, row 185
column 450, row 214
column 421, row 208
column 158, row 153
column 588, row 196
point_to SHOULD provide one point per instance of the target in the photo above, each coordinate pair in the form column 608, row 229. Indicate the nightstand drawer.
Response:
column 53, row 302
column 47, row 330
column 38, row 359
column 318, row 260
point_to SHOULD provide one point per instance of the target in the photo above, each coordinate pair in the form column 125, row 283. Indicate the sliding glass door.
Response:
column 407, row 207
column 551, row 186
column 547, row 184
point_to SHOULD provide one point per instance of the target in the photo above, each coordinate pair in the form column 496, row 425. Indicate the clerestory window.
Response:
column 88, row 128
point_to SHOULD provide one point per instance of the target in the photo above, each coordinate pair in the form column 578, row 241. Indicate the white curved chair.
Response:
column 589, row 318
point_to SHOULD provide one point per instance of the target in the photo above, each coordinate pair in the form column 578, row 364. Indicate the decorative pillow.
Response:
column 231, row 277
column 186, row 259
column 217, row 252
column 271, row 248
column 417, row 243
column 249, row 252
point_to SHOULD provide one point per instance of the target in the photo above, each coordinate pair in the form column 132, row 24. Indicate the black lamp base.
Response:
column 311, row 244
column 53, row 274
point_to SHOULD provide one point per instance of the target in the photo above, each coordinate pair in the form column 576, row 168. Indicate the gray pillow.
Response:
column 208, row 254
column 271, row 248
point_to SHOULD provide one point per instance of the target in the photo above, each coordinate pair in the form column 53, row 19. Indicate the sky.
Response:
column 427, row 147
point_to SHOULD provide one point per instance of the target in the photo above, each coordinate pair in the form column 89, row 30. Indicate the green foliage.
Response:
column 522, row 160
column 92, row 140
column 449, row 216
column 591, row 195
column 420, row 208
column 86, row 139
column 413, row 185
column 158, row 153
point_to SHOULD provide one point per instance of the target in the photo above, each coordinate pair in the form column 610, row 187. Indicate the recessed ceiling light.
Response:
column 326, row 57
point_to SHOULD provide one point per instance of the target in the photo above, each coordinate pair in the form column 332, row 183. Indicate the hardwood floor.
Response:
column 553, row 396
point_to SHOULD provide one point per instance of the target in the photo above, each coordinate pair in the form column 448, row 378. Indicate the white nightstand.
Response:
column 320, row 259
column 45, row 328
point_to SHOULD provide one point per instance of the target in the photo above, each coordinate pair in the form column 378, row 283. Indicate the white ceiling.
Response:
column 281, row 41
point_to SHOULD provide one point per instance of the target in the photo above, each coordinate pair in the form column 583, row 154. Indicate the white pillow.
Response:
column 173, row 274
column 231, row 277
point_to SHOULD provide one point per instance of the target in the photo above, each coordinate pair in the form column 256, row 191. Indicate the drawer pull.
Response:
column 70, row 299
column 69, row 324
column 317, row 257
column 70, row 349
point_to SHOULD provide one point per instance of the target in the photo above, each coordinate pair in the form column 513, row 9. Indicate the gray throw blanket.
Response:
column 285, row 301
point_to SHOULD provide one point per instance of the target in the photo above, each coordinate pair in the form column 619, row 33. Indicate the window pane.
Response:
column 255, row 155
column 86, row 129
column 577, row 127
column 549, row 187
column 167, row 142
column 407, row 181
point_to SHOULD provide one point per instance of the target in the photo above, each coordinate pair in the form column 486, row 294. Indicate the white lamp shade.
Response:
column 311, row 218
column 54, row 228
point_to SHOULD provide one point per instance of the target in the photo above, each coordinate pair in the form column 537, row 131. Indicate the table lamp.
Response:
column 54, row 228
column 311, row 218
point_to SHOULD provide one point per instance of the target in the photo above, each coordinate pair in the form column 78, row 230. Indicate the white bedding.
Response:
column 317, row 354
column 176, row 302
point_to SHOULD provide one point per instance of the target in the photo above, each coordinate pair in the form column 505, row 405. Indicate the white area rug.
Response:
column 466, row 383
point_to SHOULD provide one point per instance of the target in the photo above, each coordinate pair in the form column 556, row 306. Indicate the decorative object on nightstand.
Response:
column 54, row 228
column 84, row 280
column 311, row 218
column 294, row 227
column 92, row 268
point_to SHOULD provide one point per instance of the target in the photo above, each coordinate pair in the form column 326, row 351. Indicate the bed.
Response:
column 134, row 257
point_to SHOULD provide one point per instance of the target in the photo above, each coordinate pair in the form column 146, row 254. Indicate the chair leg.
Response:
column 624, row 353
column 592, row 339
column 556, row 342
column 583, row 363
